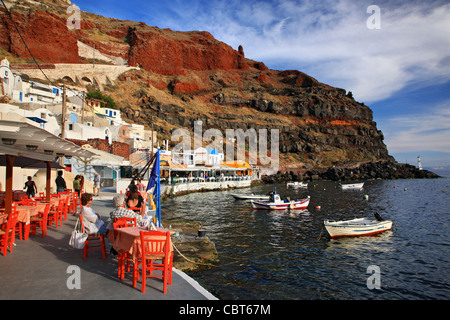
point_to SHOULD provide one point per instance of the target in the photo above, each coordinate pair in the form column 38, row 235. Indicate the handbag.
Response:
column 78, row 238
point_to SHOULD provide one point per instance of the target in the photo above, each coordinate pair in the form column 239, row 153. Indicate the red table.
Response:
column 128, row 239
column 25, row 213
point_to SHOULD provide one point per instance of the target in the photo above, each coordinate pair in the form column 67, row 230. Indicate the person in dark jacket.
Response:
column 31, row 187
column 60, row 182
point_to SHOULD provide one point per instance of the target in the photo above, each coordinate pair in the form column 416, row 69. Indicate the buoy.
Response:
column 366, row 197
column 317, row 207
column 394, row 187
column 406, row 189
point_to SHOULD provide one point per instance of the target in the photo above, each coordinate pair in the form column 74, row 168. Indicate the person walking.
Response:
column 31, row 188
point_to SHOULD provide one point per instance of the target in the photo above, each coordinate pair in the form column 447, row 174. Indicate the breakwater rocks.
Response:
column 362, row 171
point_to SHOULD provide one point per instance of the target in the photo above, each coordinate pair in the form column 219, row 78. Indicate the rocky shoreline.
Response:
column 384, row 169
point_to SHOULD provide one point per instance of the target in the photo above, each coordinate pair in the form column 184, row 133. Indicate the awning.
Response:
column 25, row 140
column 24, row 162
column 22, row 144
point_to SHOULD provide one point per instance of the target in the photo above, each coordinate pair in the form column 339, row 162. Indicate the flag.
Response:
column 154, row 176
column 155, row 181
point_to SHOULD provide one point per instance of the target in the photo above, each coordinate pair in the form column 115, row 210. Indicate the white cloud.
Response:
column 330, row 40
column 429, row 131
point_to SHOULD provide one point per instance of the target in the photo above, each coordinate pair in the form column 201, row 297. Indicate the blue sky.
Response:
column 401, row 70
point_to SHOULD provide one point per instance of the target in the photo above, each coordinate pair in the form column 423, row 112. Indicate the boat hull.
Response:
column 297, row 185
column 352, row 186
column 356, row 228
column 250, row 197
column 292, row 205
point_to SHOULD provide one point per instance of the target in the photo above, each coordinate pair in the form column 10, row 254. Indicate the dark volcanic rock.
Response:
column 365, row 171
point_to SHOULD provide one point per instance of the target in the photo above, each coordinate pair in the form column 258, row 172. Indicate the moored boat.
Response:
column 276, row 203
column 250, row 197
column 357, row 227
column 352, row 186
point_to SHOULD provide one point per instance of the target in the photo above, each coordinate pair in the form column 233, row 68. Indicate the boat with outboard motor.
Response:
column 357, row 227
column 353, row 186
column 276, row 203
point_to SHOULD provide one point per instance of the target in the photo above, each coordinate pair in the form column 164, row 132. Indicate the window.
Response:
column 70, row 126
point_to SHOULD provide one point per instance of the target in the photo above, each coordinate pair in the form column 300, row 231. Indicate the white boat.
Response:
column 357, row 227
column 296, row 184
column 250, row 197
column 275, row 203
column 352, row 186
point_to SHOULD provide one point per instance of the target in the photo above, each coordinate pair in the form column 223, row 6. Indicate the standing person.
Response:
column 60, row 182
column 76, row 185
column 97, row 184
column 31, row 187
column 81, row 184
column 93, row 224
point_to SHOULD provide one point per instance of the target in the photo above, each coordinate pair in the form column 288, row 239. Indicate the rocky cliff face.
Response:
column 188, row 76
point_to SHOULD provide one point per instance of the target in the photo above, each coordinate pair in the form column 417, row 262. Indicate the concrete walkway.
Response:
column 45, row 268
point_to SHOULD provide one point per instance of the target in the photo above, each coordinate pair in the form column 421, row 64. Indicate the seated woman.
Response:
column 93, row 224
column 136, row 202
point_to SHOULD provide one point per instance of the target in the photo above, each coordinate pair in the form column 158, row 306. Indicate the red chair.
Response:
column 7, row 235
column 94, row 242
column 123, row 257
column 55, row 213
column 76, row 201
column 130, row 222
column 65, row 208
column 40, row 221
column 19, row 225
column 155, row 245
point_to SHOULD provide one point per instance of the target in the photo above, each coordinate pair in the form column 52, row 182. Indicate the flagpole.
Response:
column 159, row 196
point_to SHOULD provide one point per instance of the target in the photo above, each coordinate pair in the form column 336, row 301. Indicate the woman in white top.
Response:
column 93, row 224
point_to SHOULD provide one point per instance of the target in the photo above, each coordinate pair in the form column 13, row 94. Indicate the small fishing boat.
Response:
column 296, row 184
column 357, row 227
column 276, row 203
column 250, row 196
column 349, row 186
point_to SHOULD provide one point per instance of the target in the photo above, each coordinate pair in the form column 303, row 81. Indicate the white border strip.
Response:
column 195, row 284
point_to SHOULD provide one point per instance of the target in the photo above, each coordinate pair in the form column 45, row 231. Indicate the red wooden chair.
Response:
column 94, row 242
column 19, row 225
column 7, row 235
column 130, row 222
column 65, row 208
column 155, row 245
column 40, row 221
column 76, row 201
column 123, row 257
column 55, row 213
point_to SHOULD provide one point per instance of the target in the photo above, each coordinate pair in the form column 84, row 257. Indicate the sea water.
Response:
column 289, row 255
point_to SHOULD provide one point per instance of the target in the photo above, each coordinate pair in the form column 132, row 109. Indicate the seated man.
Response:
column 121, row 211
